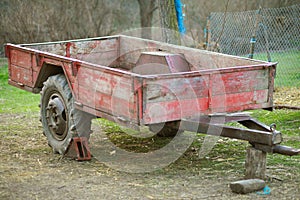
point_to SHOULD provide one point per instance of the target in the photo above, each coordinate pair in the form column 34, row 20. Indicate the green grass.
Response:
column 286, row 120
column 12, row 99
column 288, row 68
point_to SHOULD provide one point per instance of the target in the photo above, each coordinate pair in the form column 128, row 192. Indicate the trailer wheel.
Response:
column 60, row 120
column 168, row 129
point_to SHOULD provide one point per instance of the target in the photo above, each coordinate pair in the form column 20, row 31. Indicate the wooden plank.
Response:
column 20, row 58
column 105, row 82
column 247, row 186
column 199, row 59
column 239, row 101
column 174, row 110
column 240, row 81
column 182, row 108
column 176, row 88
column 107, row 58
column 107, row 92
column 101, row 52
column 108, row 104
column 77, row 47
column 131, row 49
column 21, row 75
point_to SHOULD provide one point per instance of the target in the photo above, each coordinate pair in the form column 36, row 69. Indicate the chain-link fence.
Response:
column 267, row 34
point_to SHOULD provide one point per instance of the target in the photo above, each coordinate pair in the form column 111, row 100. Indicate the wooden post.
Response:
column 207, row 35
column 255, row 164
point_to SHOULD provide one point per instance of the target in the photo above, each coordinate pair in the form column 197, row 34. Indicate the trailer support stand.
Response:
column 256, row 161
column 79, row 149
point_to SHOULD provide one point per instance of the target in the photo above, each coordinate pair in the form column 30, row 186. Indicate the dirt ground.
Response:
column 29, row 170
column 287, row 97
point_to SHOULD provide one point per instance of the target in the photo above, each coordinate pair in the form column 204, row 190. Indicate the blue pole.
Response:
column 180, row 19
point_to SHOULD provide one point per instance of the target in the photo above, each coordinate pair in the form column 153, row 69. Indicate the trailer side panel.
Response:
column 221, row 91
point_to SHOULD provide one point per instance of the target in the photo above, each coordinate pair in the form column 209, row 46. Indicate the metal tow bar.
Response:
column 259, row 135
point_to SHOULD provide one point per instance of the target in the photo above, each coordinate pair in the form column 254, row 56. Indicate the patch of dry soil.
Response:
column 29, row 170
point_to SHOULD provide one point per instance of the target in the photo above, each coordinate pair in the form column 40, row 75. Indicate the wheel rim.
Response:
column 57, row 119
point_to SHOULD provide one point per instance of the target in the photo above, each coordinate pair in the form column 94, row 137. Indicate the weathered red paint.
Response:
column 100, row 72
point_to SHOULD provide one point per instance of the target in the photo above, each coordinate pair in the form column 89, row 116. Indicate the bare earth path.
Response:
column 29, row 170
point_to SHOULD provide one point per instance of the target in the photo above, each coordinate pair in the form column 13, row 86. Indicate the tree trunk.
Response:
column 169, row 21
column 147, row 8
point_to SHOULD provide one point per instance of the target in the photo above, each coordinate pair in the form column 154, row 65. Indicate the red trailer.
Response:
column 137, row 82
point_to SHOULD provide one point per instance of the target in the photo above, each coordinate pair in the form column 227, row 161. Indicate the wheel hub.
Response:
column 56, row 117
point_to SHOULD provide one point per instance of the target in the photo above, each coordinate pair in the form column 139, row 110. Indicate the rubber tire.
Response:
column 77, row 123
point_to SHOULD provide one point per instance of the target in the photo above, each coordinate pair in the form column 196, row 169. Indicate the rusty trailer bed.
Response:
column 111, row 77
column 137, row 82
